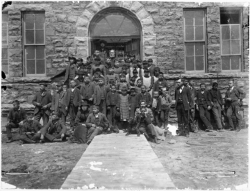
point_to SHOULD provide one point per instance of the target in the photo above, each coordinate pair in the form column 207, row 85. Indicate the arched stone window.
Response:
column 115, row 28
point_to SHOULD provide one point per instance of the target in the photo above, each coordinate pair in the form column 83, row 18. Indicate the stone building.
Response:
column 201, row 41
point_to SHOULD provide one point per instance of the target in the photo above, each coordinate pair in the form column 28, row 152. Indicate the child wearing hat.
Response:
column 72, row 101
column 80, row 132
column 96, row 123
column 112, row 99
column 100, row 94
column 42, row 102
column 71, row 71
column 165, row 104
column 54, row 130
column 123, row 107
column 156, row 104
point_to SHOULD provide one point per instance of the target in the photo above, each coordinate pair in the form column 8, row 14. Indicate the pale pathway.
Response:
column 115, row 161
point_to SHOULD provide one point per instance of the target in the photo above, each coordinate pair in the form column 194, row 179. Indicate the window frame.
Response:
column 241, row 40
column 196, row 41
column 6, row 45
column 28, row 45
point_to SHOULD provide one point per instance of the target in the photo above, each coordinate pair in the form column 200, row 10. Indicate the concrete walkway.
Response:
column 115, row 161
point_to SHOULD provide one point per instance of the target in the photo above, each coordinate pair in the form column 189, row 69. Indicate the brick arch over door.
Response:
column 148, row 36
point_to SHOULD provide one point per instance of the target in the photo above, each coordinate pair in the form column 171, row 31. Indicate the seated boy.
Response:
column 96, row 123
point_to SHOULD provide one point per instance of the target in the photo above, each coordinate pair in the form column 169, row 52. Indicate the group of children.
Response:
column 100, row 95
column 117, row 88
column 103, row 96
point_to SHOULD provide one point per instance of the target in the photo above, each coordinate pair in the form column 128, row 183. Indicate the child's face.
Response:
column 146, row 74
column 143, row 89
column 132, row 82
column 101, row 82
column 113, row 89
column 64, row 88
column 156, row 73
column 139, row 83
column 84, row 108
column 132, row 92
column 117, row 64
column 112, row 81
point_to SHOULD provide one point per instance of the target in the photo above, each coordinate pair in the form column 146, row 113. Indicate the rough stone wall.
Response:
column 162, row 24
column 168, row 19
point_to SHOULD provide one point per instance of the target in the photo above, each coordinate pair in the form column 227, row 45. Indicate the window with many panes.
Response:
column 5, row 58
column 195, row 40
column 231, row 43
column 34, row 43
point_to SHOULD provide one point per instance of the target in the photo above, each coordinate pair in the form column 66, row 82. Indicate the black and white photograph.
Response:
column 125, row 95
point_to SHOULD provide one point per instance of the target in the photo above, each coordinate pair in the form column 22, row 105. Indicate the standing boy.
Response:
column 42, row 102
column 72, row 102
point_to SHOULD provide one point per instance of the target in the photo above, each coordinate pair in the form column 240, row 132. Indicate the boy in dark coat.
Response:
column 71, row 71
column 96, row 123
column 203, row 105
column 216, row 101
column 100, row 94
column 42, row 102
column 144, row 96
column 156, row 108
column 29, row 130
column 80, row 132
column 165, row 104
column 183, row 105
column 112, row 99
column 54, row 130
column 87, row 91
column 72, row 101
column 160, row 83
column 233, row 97
column 16, row 117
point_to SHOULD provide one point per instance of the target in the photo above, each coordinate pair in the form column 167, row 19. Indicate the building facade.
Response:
column 201, row 41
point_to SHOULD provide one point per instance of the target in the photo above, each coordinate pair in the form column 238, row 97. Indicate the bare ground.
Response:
column 202, row 161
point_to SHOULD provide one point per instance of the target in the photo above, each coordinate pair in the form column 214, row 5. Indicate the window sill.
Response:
column 207, row 75
column 34, row 79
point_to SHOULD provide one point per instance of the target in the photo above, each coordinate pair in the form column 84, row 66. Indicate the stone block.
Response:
column 58, row 42
column 150, row 40
column 102, row 4
column 148, row 30
column 153, row 9
column 82, row 32
column 93, row 7
column 15, row 52
column 57, row 61
column 149, row 50
column 136, row 6
column 148, row 21
column 142, row 14
column 49, row 31
column 87, row 14
column 72, row 51
column 69, row 42
column 61, row 50
column 82, row 22
column 82, row 52
column 127, row 4
column 80, row 41
column 72, row 19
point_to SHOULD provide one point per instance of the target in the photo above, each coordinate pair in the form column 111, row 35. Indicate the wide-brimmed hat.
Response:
column 179, row 80
column 84, row 103
column 72, row 58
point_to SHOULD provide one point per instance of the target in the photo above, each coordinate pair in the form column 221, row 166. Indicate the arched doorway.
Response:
column 118, row 29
